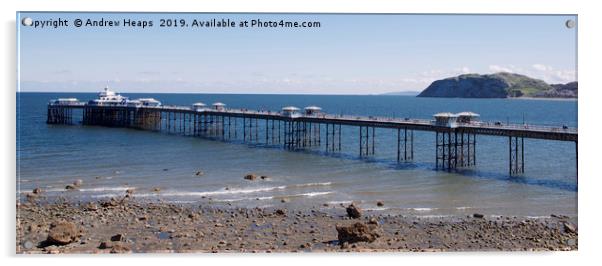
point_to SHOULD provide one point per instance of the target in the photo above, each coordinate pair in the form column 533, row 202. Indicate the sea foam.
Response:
column 212, row 193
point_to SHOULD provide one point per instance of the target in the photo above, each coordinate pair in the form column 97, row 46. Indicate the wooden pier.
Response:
column 455, row 143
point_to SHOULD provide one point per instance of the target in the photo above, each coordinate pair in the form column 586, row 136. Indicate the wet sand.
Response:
column 126, row 225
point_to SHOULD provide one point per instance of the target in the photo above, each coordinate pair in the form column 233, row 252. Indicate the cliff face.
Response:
column 468, row 86
column 498, row 85
column 568, row 90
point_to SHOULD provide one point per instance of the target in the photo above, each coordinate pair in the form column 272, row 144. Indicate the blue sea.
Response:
column 111, row 160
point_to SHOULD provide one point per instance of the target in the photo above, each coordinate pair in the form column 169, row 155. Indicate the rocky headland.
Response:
column 498, row 85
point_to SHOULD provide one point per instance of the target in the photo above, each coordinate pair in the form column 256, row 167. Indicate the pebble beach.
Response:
column 128, row 225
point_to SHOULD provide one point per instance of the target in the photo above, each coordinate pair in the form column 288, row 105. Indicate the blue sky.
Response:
column 348, row 54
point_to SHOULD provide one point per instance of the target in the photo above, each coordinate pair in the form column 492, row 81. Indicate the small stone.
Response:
column 70, row 187
column 250, row 177
column 354, row 211
column 199, row 173
column 571, row 242
column 380, row 204
column 478, row 215
column 78, row 183
column 264, row 177
column 91, row 207
column 37, row 191
column 28, row 245
column 373, row 221
column 129, row 191
column 110, row 203
column 53, row 251
column 118, row 237
column 105, row 245
column 156, row 189
column 280, row 212
column 284, row 200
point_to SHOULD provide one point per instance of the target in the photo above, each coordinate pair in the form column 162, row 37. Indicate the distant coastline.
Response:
column 401, row 93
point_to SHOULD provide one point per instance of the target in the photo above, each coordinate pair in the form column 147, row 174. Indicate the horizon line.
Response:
column 234, row 93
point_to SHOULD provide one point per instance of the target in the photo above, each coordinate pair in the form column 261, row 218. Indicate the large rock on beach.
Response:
column 358, row 232
column 62, row 233
column 31, row 197
column 354, row 211
column 120, row 248
column 569, row 228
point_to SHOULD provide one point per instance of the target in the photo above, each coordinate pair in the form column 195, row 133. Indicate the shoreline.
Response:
column 126, row 225
column 288, row 201
column 545, row 98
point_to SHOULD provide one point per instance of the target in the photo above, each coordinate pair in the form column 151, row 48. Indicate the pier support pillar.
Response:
column 292, row 134
column 267, row 131
column 367, row 141
column 446, row 150
column 59, row 115
column 516, row 156
column 455, row 148
column 250, row 129
column 466, row 148
column 405, row 142
column 333, row 137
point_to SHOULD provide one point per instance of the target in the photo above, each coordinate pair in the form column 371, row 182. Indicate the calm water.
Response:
column 110, row 160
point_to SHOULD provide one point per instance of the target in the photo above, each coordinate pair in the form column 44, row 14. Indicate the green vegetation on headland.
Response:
column 498, row 85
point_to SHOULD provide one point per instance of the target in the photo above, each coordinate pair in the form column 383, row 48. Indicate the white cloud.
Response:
column 465, row 70
column 541, row 67
column 553, row 75
column 498, row 68
column 539, row 71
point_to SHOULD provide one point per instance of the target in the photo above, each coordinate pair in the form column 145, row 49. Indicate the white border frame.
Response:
column 589, row 57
